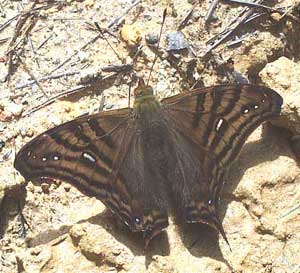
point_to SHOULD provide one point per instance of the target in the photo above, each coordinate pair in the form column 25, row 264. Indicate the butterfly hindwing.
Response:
column 217, row 120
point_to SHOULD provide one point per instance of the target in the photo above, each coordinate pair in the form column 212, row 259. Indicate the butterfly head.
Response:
column 143, row 90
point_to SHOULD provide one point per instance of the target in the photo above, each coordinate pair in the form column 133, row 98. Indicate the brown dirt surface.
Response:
column 50, row 48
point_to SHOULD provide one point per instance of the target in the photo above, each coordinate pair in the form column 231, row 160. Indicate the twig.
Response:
column 75, row 53
column 22, row 31
column 230, row 29
column 33, row 52
column 290, row 211
column 50, row 77
column 107, row 41
column 110, row 68
column 211, row 9
column 92, row 27
column 27, row 70
column 117, row 68
column 63, row 95
column 186, row 18
column 8, row 22
column 238, row 40
column 270, row 9
column 45, row 41
column 117, row 20
column 4, row 40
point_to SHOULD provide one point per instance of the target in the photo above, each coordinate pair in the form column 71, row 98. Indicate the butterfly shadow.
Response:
column 11, row 207
column 133, row 240
column 93, row 85
column 201, row 240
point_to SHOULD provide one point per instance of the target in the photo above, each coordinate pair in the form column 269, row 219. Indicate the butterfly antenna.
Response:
column 129, row 93
column 107, row 41
column 157, row 47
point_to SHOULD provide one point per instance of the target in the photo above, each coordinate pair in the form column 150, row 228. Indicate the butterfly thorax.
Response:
column 144, row 97
column 147, row 109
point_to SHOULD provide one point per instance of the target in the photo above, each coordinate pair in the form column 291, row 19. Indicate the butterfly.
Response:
column 134, row 159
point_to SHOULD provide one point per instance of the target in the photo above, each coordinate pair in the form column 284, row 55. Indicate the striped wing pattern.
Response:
column 217, row 120
column 99, row 155
column 189, row 142
column 83, row 153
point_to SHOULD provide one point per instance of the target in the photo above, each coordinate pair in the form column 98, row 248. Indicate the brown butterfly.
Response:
column 127, row 158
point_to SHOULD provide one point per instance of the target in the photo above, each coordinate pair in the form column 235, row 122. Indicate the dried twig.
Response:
column 45, row 41
column 25, row 67
column 8, row 22
column 185, row 18
column 93, row 40
column 290, row 211
column 25, row 23
column 229, row 29
column 211, row 9
column 4, row 40
column 285, row 12
column 49, row 77
column 117, row 20
column 110, row 68
column 33, row 52
column 64, row 95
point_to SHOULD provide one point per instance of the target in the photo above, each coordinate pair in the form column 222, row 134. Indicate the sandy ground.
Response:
column 56, row 52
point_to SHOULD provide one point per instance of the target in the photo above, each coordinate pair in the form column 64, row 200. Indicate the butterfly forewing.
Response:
column 220, row 118
column 80, row 152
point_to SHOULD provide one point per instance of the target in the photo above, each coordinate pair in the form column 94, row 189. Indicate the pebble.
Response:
column 45, row 187
column 67, row 187
column 12, row 108
column 131, row 34
column 151, row 38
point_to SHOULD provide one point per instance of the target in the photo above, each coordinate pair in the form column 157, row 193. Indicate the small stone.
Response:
column 176, row 41
column 30, row 187
column 15, row 109
column 29, row 132
column 45, row 188
column 5, row 116
column 276, row 16
column 151, row 38
column 131, row 35
column 67, row 187
column 196, row 15
column 26, row 132
column 57, row 182
column 83, row 56
column 36, row 251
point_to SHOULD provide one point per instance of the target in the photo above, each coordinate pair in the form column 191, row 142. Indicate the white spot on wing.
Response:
column 219, row 124
column 246, row 111
column 55, row 158
column 89, row 157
